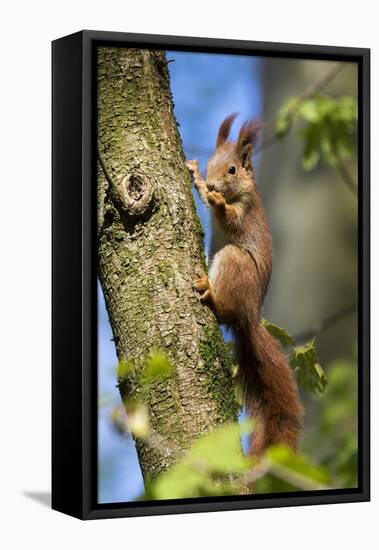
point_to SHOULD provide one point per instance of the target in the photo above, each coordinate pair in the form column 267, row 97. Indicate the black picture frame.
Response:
column 74, row 304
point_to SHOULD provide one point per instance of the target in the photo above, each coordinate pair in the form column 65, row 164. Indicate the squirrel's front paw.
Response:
column 202, row 283
column 193, row 166
column 215, row 199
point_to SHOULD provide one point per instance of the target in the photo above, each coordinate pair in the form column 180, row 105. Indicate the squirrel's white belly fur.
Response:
column 214, row 266
column 216, row 252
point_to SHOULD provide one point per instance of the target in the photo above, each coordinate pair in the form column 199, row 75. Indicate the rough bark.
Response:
column 150, row 248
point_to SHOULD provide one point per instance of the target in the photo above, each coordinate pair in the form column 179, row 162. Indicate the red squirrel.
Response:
column 240, row 263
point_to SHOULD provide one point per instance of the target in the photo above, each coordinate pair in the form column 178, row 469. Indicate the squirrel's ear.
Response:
column 245, row 156
column 224, row 130
column 247, row 139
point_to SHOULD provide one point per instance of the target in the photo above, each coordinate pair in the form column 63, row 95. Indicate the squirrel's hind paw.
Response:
column 201, row 284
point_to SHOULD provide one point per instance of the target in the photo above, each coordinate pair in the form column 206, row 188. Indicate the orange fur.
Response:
column 239, row 273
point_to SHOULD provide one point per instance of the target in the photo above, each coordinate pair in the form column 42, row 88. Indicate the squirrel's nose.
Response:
column 210, row 186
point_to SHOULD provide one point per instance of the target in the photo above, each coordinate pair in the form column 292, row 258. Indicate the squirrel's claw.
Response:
column 203, row 286
column 206, row 297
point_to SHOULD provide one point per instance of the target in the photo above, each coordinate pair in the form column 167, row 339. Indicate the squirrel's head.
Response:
column 230, row 170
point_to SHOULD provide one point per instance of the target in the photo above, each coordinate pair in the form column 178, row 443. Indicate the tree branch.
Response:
column 309, row 92
column 347, row 178
column 326, row 323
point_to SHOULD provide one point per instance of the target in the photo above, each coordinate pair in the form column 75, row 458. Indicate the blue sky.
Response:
column 206, row 88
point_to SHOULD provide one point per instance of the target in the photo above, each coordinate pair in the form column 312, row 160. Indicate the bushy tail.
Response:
column 270, row 390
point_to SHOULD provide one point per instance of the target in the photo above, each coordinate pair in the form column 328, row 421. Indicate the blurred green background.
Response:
column 313, row 218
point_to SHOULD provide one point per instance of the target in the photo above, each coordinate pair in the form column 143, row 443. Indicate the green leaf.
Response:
column 286, row 117
column 311, row 153
column 184, row 481
column 309, row 372
column 288, row 471
column 278, row 332
column 310, row 160
column 330, row 129
column 281, row 456
column 228, row 457
column 125, row 367
column 209, row 467
column 157, row 366
column 309, row 111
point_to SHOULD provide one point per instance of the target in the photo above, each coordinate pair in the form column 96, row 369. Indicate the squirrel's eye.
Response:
column 232, row 170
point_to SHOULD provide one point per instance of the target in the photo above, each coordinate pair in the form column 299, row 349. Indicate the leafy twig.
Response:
column 326, row 323
column 312, row 90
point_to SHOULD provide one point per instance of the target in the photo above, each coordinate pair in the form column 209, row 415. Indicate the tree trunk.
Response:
column 150, row 248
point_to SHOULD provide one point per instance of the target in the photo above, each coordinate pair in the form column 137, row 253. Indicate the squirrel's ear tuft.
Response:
column 249, row 133
column 224, row 130
column 247, row 140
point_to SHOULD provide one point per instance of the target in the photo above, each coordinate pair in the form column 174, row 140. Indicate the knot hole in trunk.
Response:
column 135, row 195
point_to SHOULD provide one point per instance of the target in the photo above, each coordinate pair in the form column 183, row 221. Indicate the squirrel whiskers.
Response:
column 239, row 272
